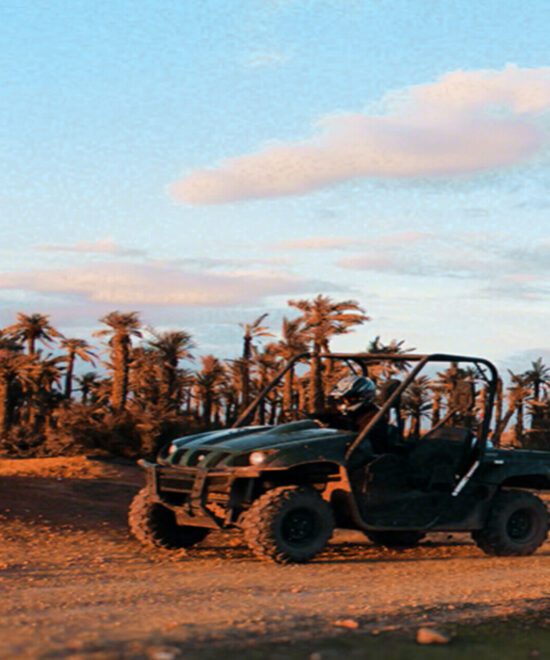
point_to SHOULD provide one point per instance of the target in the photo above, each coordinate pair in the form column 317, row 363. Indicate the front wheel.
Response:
column 288, row 524
column 517, row 525
column 391, row 539
column 155, row 526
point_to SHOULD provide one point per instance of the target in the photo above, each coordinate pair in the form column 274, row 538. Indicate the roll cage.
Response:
column 485, row 370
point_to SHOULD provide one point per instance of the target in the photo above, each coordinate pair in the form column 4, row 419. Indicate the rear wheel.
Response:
column 288, row 524
column 517, row 525
column 392, row 539
column 155, row 526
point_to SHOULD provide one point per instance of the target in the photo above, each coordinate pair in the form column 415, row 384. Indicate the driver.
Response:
column 354, row 397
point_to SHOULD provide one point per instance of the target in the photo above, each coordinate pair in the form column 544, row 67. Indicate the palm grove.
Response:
column 147, row 392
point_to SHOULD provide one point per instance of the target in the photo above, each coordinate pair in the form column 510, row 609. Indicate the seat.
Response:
column 438, row 458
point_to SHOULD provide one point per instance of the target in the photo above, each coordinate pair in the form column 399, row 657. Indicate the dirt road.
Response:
column 72, row 583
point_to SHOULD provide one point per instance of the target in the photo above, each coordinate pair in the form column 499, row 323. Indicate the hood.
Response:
column 284, row 445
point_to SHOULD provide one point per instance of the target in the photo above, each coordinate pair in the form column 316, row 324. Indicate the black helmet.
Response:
column 355, row 392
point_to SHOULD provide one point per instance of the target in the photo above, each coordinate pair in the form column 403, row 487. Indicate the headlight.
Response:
column 257, row 457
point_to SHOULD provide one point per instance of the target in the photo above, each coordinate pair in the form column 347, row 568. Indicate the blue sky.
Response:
column 203, row 162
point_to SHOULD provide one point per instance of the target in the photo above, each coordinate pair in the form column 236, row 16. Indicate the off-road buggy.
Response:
column 287, row 486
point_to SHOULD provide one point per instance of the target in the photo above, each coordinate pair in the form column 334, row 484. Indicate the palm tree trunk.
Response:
column 519, row 423
column 415, row 425
column 436, row 408
column 228, row 412
column 287, row 394
column 69, row 376
column 273, row 412
column 329, row 367
column 245, row 367
column 207, row 408
column 316, row 401
column 217, row 413
column 4, row 404
column 481, row 401
column 171, row 384
column 261, row 412
column 302, row 396
column 498, row 405
column 501, row 426
column 120, row 375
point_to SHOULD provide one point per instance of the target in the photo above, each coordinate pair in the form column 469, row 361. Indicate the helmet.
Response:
column 354, row 392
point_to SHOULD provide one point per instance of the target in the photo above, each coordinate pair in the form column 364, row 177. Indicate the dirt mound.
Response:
column 68, row 467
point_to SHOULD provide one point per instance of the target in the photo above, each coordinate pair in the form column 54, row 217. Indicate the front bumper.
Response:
column 198, row 496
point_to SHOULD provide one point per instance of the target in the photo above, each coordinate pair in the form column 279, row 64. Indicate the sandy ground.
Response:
column 74, row 584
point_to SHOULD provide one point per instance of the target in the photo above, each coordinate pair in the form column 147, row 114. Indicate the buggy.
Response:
column 285, row 487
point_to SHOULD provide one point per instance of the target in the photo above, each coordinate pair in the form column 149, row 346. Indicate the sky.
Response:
column 204, row 162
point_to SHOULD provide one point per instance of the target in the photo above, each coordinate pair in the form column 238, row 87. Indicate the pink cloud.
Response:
column 319, row 243
column 139, row 284
column 101, row 246
column 465, row 122
column 316, row 243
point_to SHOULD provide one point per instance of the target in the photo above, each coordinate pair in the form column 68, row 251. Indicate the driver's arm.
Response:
column 334, row 420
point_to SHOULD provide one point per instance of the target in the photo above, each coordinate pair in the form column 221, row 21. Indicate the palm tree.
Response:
column 38, row 377
column 293, row 342
column 417, row 403
column 538, row 377
column 231, row 389
column 251, row 331
column 209, row 380
column 518, row 392
column 171, row 347
column 323, row 318
column 75, row 348
column 145, row 378
column 32, row 328
column 268, row 364
column 122, row 326
column 395, row 346
column 88, row 384
column 437, row 392
column 376, row 347
column 183, row 388
column 10, row 362
column 499, row 403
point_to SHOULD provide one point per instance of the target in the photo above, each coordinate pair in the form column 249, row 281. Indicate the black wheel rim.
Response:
column 520, row 525
column 300, row 526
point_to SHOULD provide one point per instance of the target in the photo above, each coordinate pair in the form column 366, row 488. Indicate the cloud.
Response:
column 220, row 263
column 502, row 269
column 516, row 287
column 465, row 122
column 321, row 243
column 101, row 246
column 267, row 58
column 316, row 243
column 440, row 263
column 426, row 254
column 145, row 284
